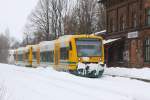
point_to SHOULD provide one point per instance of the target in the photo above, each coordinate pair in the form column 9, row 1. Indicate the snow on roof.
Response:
column 64, row 40
column 34, row 47
column 49, row 45
column 27, row 47
column 100, row 32
column 20, row 50
column 46, row 45
column 110, row 40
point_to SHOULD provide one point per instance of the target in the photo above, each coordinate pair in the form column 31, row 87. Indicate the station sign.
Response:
column 133, row 34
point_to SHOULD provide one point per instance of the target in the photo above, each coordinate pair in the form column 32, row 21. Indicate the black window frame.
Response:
column 147, row 16
column 147, row 50
column 92, row 40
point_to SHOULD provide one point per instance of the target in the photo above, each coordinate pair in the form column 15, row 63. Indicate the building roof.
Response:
column 110, row 40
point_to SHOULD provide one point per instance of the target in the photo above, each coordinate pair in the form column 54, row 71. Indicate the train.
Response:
column 81, row 55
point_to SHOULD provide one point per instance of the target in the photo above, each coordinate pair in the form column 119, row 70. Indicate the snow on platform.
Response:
column 21, row 83
column 143, row 73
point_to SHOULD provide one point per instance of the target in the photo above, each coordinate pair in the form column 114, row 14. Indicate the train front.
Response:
column 90, row 56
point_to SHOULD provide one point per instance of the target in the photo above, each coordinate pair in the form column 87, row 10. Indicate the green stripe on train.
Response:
column 68, row 62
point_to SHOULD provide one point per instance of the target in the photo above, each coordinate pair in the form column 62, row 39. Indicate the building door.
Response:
column 115, row 53
column 133, row 52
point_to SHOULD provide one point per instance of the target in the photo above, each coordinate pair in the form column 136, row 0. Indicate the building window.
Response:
column 113, row 26
column 147, row 50
column 134, row 20
column 122, row 23
column 148, row 16
column 110, row 25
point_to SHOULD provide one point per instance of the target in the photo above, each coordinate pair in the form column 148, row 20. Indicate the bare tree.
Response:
column 40, row 18
column 101, row 17
column 14, row 43
column 59, row 9
column 87, row 17
column 52, row 18
column 4, row 47
column 28, row 35
column 86, row 13
column 47, row 18
column 71, row 23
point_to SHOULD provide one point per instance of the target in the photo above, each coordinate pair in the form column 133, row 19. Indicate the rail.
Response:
column 135, row 78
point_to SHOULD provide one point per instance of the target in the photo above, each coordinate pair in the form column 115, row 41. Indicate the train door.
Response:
column 30, row 56
column 57, row 54
column 24, row 56
column 38, row 56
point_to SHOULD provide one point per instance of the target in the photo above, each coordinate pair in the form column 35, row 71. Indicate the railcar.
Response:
column 78, row 54
column 24, row 55
column 19, row 56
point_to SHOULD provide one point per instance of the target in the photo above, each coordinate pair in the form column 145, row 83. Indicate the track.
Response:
column 135, row 78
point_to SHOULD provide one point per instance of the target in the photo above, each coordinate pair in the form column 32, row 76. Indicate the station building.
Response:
column 128, row 22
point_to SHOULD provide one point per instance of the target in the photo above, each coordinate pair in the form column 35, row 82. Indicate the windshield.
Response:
column 88, row 47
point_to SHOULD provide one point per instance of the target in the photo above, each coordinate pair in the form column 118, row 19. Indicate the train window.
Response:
column 40, row 56
column 34, row 55
column 27, row 55
column 64, row 53
column 70, row 46
column 88, row 47
column 47, row 56
column 20, row 57
column 43, row 58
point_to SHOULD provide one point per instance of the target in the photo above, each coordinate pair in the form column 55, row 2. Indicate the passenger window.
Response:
column 34, row 55
column 47, row 56
column 64, row 53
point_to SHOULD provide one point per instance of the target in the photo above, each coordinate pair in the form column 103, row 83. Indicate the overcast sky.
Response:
column 13, row 15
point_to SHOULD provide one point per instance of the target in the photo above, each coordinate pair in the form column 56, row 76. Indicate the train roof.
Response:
column 68, row 37
column 49, row 45
column 46, row 45
column 20, row 50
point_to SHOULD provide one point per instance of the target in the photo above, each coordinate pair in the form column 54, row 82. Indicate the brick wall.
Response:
column 131, row 10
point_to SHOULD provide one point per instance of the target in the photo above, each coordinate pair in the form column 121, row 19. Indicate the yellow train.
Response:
column 79, row 54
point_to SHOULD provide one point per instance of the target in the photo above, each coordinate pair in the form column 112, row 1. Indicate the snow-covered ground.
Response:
column 143, row 73
column 21, row 83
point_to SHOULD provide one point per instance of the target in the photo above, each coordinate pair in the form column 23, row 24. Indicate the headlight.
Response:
column 79, row 59
column 100, row 59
